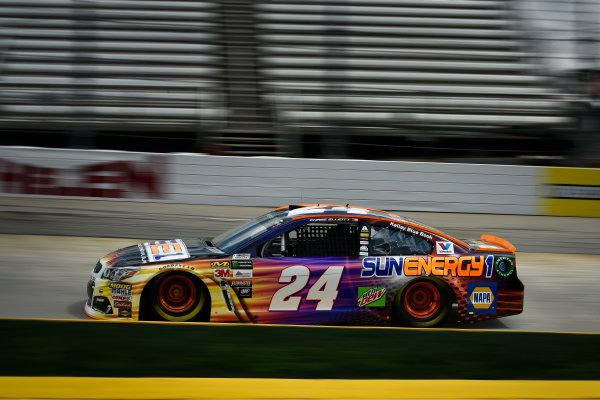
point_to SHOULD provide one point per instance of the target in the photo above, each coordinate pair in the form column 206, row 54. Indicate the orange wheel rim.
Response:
column 177, row 294
column 422, row 299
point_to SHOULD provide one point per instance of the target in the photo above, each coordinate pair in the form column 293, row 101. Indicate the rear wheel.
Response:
column 422, row 303
column 178, row 297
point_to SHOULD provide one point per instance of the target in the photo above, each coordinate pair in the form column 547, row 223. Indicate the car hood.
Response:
column 161, row 251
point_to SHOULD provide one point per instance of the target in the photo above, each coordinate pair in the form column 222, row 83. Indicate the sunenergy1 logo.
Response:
column 482, row 297
column 382, row 267
column 389, row 267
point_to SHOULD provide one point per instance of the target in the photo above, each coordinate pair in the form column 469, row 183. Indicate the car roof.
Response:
column 302, row 211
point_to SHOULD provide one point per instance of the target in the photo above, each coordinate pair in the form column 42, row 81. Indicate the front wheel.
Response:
column 178, row 297
column 422, row 304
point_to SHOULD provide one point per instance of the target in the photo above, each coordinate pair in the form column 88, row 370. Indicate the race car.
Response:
column 312, row 264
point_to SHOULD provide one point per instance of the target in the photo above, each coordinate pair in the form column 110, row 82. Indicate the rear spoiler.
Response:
column 503, row 245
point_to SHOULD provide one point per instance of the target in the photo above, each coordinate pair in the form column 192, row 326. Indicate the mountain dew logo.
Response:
column 371, row 296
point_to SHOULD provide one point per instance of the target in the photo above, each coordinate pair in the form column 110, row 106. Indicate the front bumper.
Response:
column 109, row 300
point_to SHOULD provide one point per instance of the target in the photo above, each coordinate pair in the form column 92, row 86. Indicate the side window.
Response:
column 386, row 241
column 280, row 246
column 315, row 240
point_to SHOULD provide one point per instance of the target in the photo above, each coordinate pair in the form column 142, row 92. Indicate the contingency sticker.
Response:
column 241, row 256
column 242, row 264
column 240, row 284
column 482, row 297
column 120, row 291
column 242, row 273
column 219, row 264
column 164, row 250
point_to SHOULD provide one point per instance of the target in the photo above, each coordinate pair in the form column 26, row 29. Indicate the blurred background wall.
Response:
column 504, row 81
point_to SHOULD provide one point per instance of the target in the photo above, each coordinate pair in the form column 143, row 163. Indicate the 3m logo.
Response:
column 444, row 247
column 223, row 273
column 482, row 297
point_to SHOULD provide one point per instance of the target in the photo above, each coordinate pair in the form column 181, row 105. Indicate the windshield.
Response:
column 240, row 235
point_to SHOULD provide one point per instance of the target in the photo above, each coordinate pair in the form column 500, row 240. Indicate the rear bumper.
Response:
column 509, row 301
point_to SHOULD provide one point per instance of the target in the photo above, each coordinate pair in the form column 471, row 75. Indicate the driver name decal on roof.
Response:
column 333, row 219
column 163, row 250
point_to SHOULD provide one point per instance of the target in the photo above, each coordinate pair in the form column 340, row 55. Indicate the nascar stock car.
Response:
column 311, row 264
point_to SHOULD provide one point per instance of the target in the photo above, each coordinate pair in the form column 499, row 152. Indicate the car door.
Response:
column 302, row 275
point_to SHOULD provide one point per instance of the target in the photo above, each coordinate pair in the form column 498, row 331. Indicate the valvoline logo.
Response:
column 482, row 297
column 444, row 247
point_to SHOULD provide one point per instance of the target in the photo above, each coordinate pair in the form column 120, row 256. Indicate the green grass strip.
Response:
column 95, row 349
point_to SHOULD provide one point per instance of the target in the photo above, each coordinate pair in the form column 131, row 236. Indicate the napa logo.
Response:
column 482, row 297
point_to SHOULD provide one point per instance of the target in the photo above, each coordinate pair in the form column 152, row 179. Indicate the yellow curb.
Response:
column 235, row 388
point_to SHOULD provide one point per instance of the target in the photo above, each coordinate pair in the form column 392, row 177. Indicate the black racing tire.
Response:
column 422, row 303
column 178, row 296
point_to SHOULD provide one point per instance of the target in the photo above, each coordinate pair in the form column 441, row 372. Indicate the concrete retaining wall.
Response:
column 261, row 181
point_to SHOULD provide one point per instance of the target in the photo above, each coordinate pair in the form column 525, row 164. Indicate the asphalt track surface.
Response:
column 49, row 246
